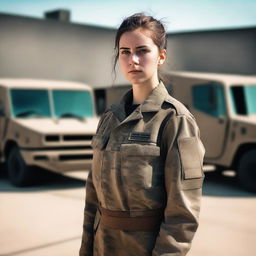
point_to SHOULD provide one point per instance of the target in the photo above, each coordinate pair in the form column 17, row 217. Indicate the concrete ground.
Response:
column 47, row 219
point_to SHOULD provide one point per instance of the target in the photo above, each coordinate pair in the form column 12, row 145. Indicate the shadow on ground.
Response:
column 219, row 184
column 215, row 184
column 51, row 181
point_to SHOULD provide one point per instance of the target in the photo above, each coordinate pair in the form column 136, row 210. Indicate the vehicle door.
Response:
column 209, row 109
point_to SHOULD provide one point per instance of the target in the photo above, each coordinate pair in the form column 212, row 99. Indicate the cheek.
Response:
column 123, row 60
column 121, row 63
column 123, row 66
column 151, row 61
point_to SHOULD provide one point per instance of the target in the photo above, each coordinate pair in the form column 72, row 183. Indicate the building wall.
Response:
column 221, row 51
column 49, row 49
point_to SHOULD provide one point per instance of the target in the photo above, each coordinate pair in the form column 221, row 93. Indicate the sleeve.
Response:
column 184, row 153
column 91, row 202
column 90, row 209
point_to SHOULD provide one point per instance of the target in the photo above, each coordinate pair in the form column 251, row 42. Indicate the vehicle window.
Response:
column 209, row 98
column 27, row 103
column 72, row 103
column 250, row 95
column 238, row 100
column 243, row 99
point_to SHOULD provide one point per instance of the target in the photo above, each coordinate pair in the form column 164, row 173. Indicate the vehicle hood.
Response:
column 59, row 126
column 250, row 120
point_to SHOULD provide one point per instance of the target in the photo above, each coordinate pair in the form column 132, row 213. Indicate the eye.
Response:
column 143, row 51
column 125, row 52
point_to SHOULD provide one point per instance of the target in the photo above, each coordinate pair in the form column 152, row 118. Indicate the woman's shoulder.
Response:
column 104, row 118
column 179, row 107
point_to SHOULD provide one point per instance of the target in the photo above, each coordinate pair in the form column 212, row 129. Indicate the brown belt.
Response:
column 148, row 220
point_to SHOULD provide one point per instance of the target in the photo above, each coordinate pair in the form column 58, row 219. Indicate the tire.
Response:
column 19, row 173
column 219, row 169
column 3, row 171
column 246, row 171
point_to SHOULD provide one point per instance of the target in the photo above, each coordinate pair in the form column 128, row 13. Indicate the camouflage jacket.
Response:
column 136, row 167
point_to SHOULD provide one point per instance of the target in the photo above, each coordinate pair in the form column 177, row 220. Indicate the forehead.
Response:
column 136, row 38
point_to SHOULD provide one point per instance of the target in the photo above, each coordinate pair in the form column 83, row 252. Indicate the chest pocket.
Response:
column 139, row 165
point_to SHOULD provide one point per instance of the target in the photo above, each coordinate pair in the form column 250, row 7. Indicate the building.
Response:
column 54, row 48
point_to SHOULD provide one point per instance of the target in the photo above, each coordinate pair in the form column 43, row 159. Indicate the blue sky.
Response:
column 178, row 15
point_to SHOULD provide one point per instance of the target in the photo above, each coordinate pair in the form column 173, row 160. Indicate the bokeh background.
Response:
column 74, row 41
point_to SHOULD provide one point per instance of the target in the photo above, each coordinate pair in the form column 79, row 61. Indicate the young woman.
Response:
column 143, row 193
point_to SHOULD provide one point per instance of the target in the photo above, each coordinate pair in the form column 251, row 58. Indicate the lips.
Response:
column 134, row 71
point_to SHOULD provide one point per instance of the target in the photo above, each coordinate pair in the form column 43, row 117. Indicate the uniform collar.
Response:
column 155, row 100
column 152, row 104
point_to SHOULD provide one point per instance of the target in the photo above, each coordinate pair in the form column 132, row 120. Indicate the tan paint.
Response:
column 224, row 138
column 221, row 136
column 131, row 177
column 29, row 134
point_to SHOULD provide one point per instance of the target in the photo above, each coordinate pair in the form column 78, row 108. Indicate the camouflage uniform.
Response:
column 140, row 165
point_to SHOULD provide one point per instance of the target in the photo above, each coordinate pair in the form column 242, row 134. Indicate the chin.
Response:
column 138, row 80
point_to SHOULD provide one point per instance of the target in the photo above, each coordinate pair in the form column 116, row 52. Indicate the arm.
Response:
column 183, row 181
column 90, row 209
column 91, row 202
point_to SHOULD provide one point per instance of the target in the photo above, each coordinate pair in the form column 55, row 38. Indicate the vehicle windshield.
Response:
column 244, row 99
column 31, row 103
column 77, row 104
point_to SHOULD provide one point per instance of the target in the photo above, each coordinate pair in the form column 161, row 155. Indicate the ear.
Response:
column 162, row 57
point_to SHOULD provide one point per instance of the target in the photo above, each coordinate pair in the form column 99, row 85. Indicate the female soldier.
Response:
column 143, row 194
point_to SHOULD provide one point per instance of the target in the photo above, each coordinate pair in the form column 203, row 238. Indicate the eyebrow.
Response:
column 138, row 47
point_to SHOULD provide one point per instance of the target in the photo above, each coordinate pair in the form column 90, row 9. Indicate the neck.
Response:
column 142, row 91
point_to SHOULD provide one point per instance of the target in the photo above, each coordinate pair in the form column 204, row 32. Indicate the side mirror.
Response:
column 222, row 119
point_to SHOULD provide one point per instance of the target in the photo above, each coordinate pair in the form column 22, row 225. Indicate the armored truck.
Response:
column 45, row 125
column 225, row 109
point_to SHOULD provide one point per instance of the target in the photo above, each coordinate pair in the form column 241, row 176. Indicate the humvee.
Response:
column 45, row 124
column 225, row 109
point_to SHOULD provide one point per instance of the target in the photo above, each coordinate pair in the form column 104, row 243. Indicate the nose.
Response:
column 134, row 59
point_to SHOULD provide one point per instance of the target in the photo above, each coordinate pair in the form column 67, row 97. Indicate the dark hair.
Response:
column 140, row 20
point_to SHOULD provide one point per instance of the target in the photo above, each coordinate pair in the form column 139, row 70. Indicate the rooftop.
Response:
column 42, row 84
column 221, row 77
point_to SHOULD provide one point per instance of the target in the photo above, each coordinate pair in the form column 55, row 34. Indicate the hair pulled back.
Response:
column 142, row 21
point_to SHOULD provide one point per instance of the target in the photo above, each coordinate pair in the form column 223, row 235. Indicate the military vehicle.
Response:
column 225, row 109
column 45, row 124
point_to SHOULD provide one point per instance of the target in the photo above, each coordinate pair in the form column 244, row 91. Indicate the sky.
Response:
column 177, row 15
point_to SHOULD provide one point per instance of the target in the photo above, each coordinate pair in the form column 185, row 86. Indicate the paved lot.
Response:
column 47, row 219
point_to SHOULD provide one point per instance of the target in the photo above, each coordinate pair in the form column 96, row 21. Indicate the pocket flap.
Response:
column 140, row 150
column 190, row 159
column 99, row 141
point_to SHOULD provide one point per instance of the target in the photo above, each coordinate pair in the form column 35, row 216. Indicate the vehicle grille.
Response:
column 68, row 138
column 75, row 157
column 52, row 138
column 76, row 137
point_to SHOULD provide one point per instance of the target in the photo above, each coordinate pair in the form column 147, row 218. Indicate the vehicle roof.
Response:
column 227, row 78
column 42, row 84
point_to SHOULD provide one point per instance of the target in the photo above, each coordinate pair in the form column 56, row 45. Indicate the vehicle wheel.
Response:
column 246, row 171
column 3, row 171
column 219, row 169
column 19, row 173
